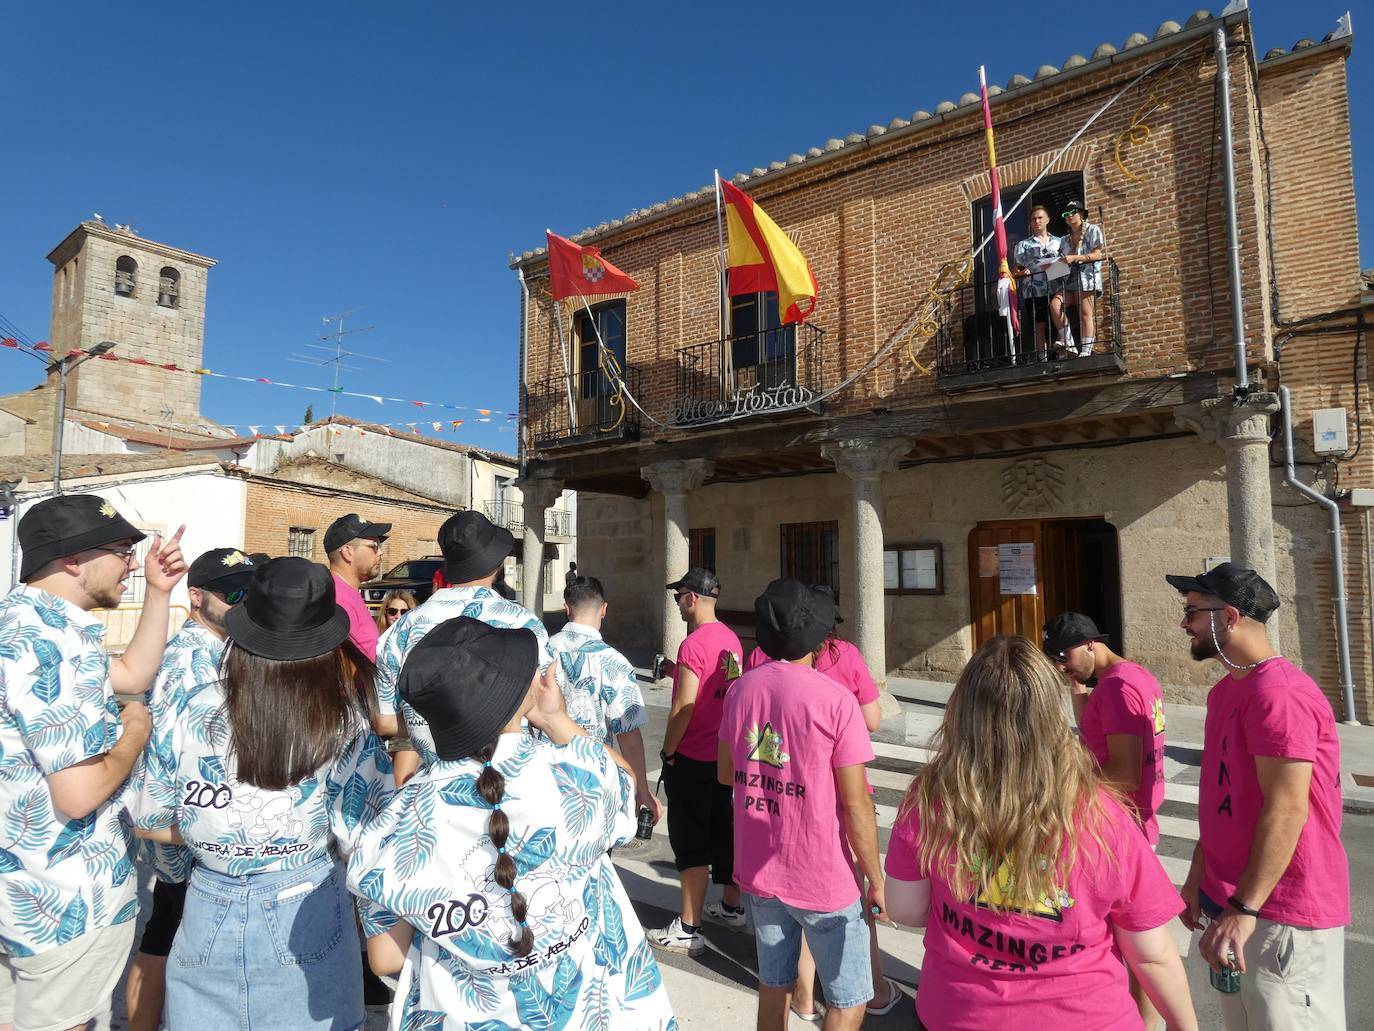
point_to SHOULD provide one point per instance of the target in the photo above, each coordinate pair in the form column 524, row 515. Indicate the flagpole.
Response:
column 1006, row 293
column 726, row 363
column 563, row 353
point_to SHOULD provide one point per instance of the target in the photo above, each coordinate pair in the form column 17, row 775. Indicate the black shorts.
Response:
column 163, row 921
column 701, row 819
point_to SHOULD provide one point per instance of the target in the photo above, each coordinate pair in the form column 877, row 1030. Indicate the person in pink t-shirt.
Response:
column 793, row 744
column 1269, row 873
column 1031, row 877
column 354, row 549
column 700, row 831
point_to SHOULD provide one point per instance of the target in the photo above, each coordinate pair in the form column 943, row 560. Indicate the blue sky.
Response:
column 339, row 155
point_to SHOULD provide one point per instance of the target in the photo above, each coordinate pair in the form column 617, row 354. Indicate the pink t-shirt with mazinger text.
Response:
column 1274, row 710
column 789, row 729
column 1054, row 965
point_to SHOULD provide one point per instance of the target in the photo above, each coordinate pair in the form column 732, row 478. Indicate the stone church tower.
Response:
column 149, row 298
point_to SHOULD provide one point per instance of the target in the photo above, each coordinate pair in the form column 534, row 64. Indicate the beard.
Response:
column 1208, row 646
column 103, row 594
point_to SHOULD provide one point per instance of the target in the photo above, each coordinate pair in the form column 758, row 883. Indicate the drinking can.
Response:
column 645, row 830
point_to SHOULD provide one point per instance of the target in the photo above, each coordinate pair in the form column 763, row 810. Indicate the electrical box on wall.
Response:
column 1329, row 433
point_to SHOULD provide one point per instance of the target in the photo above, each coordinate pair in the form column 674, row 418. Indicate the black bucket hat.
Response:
column 1066, row 630
column 466, row 679
column 222, row 569
column 792, row 619
column 289, row 612
column 1241, row 588
column 472, row 546
column 65, row 525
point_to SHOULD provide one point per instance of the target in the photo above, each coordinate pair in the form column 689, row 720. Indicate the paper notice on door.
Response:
column 987, row 561
column 1016, row 568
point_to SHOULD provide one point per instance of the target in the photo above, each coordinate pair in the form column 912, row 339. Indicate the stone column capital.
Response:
column 867, row 457
column 677, row 475
column 1228, row 422
column 539, row 491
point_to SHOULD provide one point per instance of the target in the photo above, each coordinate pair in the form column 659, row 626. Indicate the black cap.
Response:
column 698, row 580
column 466, row 680
column 1241, row 588
column 472, row 546
column 65, row 525
column 289, row 613
column 222, row 569
column 1073, row 207
column 1066, row 630
column 350, row 528
column 792, row 619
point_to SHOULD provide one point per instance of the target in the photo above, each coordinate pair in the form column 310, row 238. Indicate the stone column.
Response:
column 538, row 493
column 864, row 460
column 674, row 479
column 1241, row 429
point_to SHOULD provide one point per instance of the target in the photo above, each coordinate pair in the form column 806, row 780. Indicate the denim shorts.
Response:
column 838, row 940
column 266, row 951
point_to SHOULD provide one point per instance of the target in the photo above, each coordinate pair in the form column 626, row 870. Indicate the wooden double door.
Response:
column 1023, row 572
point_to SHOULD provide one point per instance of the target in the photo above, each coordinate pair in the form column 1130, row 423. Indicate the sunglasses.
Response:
column 397, row 612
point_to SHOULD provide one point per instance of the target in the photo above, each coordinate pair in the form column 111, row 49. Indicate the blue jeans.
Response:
column 838, row 940
column 266, row 951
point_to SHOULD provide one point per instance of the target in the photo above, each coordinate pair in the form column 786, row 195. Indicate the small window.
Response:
column 701, row 548
column 811, row 552
column 169, row 287
column 300, row 542
column 914, row 568
column 126, row 276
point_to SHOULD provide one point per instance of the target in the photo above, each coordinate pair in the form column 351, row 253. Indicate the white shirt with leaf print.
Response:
column 428, row 860
column 238, row 829
column 59, row 878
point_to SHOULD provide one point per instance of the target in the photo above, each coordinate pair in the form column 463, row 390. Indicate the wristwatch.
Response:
column 1241, row 907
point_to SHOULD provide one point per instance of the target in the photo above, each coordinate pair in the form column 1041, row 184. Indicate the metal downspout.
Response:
column 1290, row 477
column 524, row 368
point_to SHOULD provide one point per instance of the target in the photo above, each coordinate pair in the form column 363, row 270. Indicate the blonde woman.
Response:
column 1030, row 876
column 395, row 604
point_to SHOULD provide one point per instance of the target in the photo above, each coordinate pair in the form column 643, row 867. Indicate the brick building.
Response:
column 950, row 482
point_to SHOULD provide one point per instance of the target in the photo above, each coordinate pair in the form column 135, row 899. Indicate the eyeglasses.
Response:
column 1189, row 611
column 397, row 612
column 125, row 553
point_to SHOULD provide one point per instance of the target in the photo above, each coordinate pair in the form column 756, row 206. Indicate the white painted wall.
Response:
column 208, row 501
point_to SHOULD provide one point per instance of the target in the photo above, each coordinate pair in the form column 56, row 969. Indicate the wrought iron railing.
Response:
column 511, row 515
column 974, row 337
column 583, row 407
column 750, row 372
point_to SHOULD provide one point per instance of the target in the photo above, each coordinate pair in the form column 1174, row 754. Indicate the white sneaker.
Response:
column 1085, row 349
column 716, row 912
column 674, row 939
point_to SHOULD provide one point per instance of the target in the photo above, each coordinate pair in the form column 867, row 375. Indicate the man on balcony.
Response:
column 1032, row 258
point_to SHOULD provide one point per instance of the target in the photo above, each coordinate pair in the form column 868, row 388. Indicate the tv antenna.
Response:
column 339, row 353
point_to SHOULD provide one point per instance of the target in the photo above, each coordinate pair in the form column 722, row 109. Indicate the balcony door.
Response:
column 763, row 352
column 592, row 388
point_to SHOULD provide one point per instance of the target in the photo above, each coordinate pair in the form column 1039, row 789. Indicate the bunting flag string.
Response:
column 484, row 414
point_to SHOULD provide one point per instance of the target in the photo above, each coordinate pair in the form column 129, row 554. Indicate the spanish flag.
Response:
column 761, row 257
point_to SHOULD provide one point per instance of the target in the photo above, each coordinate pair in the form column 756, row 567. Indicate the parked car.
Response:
column 416, row 576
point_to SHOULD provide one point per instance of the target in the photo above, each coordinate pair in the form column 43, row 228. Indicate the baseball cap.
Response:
column 1241, row 588
column 698, row 580
column 1066, row 630
column 350, row 528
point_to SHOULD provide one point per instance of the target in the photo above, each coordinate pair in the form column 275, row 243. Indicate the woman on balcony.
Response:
column 1083, row 249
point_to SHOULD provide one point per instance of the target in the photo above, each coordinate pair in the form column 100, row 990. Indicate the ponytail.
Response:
column 492, row 787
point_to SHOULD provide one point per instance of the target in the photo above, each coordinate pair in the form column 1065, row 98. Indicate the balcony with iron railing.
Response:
column 976, row 348
column 511, row 515
column 582, row 408
column 749, row 373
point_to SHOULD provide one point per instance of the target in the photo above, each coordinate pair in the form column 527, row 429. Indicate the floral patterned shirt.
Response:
column 1088, row 275
column 449, row 603
column 599, row 686
column 237, row 828
column 429, row 860
column 190, row 662
column 61, row 878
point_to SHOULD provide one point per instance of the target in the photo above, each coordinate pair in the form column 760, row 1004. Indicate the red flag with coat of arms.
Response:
column 576, row 271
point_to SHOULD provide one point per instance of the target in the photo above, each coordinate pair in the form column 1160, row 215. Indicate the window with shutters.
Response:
column 701, row 548
column 811, row 553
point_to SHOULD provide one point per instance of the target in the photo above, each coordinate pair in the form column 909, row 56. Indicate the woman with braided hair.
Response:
column 486, row 884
